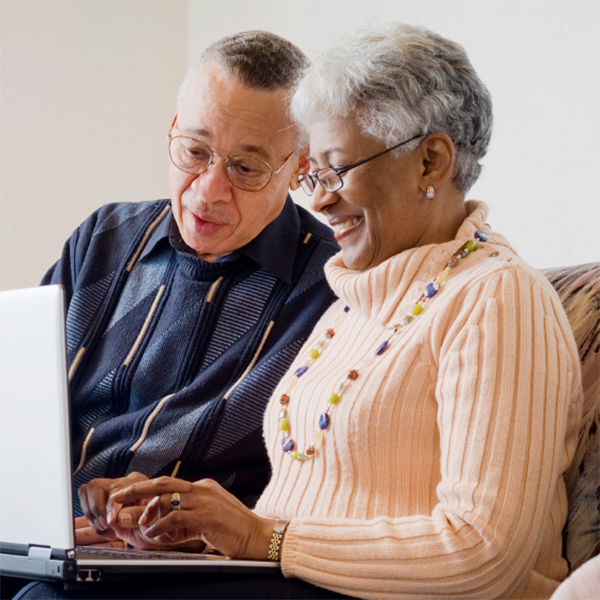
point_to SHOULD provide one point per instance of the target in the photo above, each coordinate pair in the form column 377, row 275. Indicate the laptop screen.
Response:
column 35, row 462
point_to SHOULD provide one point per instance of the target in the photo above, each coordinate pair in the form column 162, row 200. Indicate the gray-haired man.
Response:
column 183, row 314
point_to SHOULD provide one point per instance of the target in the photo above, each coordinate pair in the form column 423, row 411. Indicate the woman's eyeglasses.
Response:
column 330, row 178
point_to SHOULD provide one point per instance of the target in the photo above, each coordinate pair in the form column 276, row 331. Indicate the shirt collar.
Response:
column 274, row 248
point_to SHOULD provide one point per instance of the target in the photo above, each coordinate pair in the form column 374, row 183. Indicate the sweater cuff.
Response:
column 289, row 549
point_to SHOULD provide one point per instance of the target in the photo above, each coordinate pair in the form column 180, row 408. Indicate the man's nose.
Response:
column 214, row 184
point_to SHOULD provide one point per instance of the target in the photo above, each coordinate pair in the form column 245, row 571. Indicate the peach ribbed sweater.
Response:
column 440, row 474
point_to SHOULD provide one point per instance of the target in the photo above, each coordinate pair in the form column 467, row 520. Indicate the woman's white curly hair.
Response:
column 400, row 81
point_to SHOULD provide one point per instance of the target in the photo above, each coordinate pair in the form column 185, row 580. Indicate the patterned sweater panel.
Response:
column 173, row 359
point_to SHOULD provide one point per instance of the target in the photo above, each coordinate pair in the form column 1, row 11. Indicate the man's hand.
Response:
column 108, row 522
column 86, row 536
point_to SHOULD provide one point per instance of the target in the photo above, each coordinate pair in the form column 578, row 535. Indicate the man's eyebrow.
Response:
column 249, row 148
column 256, row 149
column 200, row 132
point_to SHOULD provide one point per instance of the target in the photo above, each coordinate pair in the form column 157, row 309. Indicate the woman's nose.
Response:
column 321, row 199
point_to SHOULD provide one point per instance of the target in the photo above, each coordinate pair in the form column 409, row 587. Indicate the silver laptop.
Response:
column 36, row 502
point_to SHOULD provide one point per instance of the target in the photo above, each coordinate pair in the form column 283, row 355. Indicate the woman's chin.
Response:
column 357, row 259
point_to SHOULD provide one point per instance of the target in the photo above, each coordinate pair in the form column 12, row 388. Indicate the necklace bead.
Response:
column 301, row 370
column 482, row 235
column 432, row 289
column 443, row 275
column 317, row 439
column 452, row 262
column 288, row 445
column 381, row 348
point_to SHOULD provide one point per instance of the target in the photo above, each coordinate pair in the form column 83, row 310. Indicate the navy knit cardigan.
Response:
column 172, row 359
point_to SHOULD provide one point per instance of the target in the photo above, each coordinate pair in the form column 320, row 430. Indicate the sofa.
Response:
column 579, row 290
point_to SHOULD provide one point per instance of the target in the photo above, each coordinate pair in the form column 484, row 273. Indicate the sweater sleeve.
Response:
column 62, row 272
column 66, row 269
column 508, row 402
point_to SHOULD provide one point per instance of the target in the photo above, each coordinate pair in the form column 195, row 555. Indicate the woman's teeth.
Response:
column 338, row 227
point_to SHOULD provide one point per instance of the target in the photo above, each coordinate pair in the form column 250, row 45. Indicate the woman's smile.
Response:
column 343, row 226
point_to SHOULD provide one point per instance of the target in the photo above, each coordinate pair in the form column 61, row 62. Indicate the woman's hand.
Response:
column 206, row 511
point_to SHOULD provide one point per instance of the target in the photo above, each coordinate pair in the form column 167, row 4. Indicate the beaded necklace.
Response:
column 288, row 445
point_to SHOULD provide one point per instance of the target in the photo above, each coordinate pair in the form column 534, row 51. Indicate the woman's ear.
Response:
column 437, row 155
column 302, row 166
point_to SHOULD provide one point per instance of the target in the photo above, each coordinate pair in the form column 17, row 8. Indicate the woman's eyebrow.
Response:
column 326, row 154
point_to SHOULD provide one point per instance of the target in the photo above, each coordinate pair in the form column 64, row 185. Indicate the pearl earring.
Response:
column 430, row 193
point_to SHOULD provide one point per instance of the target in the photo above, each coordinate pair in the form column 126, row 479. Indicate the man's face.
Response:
column 214, row 216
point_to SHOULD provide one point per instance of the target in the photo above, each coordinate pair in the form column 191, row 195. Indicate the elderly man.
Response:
column 184, row 314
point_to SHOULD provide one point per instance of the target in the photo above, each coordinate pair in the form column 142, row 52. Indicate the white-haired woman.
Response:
column 419, row 440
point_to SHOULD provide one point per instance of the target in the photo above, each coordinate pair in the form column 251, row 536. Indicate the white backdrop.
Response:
column 87, row 94
column 541, row 63
column 87, row 90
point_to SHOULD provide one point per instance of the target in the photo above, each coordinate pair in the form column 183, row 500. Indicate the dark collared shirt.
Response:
column 274, row 248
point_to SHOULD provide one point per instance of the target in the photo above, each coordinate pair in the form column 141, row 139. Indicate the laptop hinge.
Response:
column 39, row 552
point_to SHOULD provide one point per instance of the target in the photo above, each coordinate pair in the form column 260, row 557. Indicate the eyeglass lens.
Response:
column 328, row 178
column 307, row 183
column 244, row 172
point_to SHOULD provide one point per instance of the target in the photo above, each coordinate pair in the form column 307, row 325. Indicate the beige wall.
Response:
column 541, row 61
column 87, row 90
column 87, row 95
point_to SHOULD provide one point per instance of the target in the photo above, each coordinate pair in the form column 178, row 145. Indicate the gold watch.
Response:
column 276, row 539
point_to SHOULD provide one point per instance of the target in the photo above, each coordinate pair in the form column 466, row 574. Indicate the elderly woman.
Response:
column 419, row 440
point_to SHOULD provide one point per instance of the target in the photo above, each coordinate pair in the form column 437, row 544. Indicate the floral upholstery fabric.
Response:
column 579, row 291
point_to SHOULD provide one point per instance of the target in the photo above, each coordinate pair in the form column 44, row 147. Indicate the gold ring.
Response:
column 175, row 501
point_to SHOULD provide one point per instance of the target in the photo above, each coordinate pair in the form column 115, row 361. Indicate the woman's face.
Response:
column 381, row 209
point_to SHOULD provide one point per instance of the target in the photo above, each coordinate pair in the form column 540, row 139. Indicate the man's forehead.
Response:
column 217, row 107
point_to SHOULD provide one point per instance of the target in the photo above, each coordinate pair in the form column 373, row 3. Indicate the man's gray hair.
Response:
column 259, row 59
column 402, row 81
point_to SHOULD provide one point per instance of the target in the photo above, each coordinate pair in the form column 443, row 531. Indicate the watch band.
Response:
column 276, row 539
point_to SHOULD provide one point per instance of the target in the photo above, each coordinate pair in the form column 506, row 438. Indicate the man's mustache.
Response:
column 200, row 206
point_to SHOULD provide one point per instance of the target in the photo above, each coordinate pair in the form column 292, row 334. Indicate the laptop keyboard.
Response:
column 103, row 553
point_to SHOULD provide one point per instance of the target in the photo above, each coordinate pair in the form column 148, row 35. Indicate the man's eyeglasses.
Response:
column 330, row 178
column 245, row 172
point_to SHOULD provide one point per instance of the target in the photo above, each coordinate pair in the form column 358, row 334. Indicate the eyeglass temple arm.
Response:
column 172, row 125
column 343, row 170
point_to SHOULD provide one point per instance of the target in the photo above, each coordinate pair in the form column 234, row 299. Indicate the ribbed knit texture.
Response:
column 441, row 471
